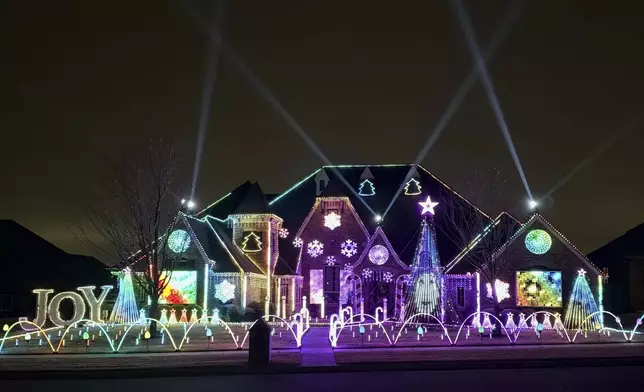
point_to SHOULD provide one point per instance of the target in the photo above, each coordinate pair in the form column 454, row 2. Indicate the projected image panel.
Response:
column 182, row 288
column 316, row 286
column 540, row 289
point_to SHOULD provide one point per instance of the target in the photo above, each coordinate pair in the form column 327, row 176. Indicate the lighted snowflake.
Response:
column 378, row 254
column 538, row 241
column 297, row 242
column 332, row 220
column 225, row 291
column 283, row 233
column 387, row 277
column 348, row 267
column 367, row 273
column 407, row 279
column 330, row 260
column 179, row 241
column 315, row 248
column 502, row 290
column 349, row 248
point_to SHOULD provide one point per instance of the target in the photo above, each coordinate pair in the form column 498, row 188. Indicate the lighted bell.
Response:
column 481, row 330
column 27, row 336
column 420, row 330
column 362, row 330
column 539, row 327
column 208, row 332
column 147, row 335
column 85, row 335
column 5, row 327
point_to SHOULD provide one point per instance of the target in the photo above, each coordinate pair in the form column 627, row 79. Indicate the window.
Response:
column 460, row 296
column 6, row 303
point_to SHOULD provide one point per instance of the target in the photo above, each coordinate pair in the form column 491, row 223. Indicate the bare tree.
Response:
column 478, row 234
column 130, row 223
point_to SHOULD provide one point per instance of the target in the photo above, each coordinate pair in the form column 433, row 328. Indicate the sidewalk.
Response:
column 293, row 361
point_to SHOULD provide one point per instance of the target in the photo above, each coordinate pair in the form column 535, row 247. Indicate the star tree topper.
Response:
column 428, row 206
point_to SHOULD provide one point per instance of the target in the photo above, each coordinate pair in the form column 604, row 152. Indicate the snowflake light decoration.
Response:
column 179, row 241
column 315, row 248
column 388, row 277
column 332, row 220
column 283, row 233
column 348, row 267
column 407, row 279
column 225, row 291
column 378, row 254
column 367, row 273
column 502, row 290
column 330, row 260
column 297, row 242
column 348, row 248
column 538, row 241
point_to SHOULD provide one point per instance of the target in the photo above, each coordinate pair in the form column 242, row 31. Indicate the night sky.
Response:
column 367, row 80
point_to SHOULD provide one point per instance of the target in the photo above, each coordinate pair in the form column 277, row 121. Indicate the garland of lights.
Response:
column 349, row 248
column 538, row 241
column 179, row 241
column 315, row 248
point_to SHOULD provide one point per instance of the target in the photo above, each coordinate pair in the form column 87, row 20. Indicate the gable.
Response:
column 560, row 254
column 379, row 239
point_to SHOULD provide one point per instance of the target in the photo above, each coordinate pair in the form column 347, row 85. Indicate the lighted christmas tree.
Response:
column 251, row 243
column 412, row 187
column 125, row 310
column 581, row 305
column 365, row 190
column 424, row 295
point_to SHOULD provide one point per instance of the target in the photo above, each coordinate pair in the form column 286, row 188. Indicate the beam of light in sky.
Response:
column 218, row 42
column 206, row 99
column 507, row 21
column 608, row 142
column 486, row 80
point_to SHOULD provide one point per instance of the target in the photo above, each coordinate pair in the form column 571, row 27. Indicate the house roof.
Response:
column 629, row 245
column 379, row 234
column 500, row 229
column 538, row 218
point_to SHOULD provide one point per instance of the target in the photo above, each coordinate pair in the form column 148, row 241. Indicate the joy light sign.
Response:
column 51, row 308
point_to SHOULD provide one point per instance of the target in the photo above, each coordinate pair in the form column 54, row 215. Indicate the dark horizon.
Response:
column 367, row 83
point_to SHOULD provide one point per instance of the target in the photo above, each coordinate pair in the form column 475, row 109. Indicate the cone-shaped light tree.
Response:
column 582, row 305
column 125, row 310
column 424, row 293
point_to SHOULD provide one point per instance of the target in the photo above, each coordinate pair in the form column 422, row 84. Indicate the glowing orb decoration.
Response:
column 315, row 248
column 538, row 241
column 283, row 232
column 378, row 254
column 297, row 242
column 330, row 260
column 179, row 241
column 225, row 291
column 428, row 206
column 502, row 290
column 349, row 248
column 332, row 220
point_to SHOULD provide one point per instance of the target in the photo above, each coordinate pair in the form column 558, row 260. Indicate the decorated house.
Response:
column 374, row 237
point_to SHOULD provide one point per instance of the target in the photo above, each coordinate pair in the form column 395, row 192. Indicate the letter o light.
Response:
column 54, row 305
